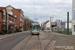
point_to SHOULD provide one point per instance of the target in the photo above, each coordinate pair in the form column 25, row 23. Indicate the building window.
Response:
column 74, row 14
column 15, row 20
column 8, row 10
column 74, row 28
column 2, row 16
column 9, row 18
column 15, row 16
column 11, row 10
column 21, row 19
column 12, row 20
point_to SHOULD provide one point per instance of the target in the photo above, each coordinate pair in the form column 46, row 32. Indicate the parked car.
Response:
column 46, row 30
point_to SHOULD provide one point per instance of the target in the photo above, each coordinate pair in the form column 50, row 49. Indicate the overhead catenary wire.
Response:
column 34, row 9
column 49, row 5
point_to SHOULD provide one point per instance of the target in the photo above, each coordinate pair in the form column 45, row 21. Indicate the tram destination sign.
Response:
column 35, row 23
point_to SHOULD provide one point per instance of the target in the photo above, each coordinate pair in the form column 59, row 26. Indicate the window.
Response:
column 9, row 18
column 11, row 10
column 21, row 20
column 12, row 20
column 15, row 16
column 3, row 16
column 74, row 14
column 15, row 20
column 8, row 10
column 74, row 28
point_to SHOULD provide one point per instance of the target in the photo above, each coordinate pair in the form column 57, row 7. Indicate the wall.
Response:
column 9, row 8
column 0, row 20
column 70, row 25
column 73, row 18
column 48, row 25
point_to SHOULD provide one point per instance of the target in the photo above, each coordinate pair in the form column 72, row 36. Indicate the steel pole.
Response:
column 68, row 23
column 50, row 25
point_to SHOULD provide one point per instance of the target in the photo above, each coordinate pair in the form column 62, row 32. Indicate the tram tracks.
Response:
column 35, row 44
column 49, row 43
column 25, row 43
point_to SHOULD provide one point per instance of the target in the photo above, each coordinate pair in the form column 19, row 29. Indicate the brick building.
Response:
column 15, row 18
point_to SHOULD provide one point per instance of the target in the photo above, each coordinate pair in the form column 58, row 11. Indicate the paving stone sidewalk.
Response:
column 11, row 35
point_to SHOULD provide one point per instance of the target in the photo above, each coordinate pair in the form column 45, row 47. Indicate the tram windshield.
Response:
column 35, row 27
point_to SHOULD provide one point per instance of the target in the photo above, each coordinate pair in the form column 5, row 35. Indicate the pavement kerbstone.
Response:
column 21, row 44
column 2, row 37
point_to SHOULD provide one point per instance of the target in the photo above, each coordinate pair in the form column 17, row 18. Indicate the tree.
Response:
column 27, row 23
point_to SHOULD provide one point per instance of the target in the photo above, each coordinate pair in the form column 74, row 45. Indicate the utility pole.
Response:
column 50, row 24
column 68, row 23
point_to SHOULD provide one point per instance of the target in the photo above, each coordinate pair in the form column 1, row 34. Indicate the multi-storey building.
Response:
column 2, row 18
column 73, row 17
column 13, row 16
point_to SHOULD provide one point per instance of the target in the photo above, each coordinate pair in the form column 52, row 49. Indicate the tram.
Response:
column 35, row 28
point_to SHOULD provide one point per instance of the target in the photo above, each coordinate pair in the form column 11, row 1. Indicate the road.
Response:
column 9, row 43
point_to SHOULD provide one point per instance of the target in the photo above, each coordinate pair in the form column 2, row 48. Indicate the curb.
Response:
column 13, row 35
column 21, row 44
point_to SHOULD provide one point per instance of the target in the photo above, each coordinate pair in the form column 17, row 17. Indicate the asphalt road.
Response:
column 9, row 43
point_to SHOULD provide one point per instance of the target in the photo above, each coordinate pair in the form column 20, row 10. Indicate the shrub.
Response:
column 18, row 30
column 2, row 32
column 9, row 31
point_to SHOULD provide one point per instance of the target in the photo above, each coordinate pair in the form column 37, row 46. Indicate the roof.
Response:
column 15, row 8
column 1, row 11
column 19, row 10
column 1, row 8
column 46, row 22
column 10, row 6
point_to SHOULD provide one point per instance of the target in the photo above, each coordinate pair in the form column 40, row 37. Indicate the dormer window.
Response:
column 10, row 10
column 15, row 16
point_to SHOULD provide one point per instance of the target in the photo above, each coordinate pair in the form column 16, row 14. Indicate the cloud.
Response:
column 42, row 8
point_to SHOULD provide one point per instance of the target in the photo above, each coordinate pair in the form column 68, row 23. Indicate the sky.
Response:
column 42, row 9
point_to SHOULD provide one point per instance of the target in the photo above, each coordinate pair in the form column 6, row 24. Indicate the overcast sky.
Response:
column 44, row 8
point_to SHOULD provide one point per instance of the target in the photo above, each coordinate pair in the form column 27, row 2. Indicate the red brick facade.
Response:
column 17, row 18
column 1, row 20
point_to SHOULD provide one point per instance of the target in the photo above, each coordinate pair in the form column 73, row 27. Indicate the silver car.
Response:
column 46, row 30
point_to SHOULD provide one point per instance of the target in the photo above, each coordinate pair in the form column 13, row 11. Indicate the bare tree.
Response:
column 27, row 23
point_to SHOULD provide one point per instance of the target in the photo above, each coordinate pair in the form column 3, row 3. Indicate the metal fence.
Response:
column 62, row 30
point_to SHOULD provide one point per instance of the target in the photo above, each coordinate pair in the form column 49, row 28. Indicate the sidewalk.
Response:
column 11, row 35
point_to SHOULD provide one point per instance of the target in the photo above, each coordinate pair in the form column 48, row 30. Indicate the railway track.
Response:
column 35, row 43
column 25, row 43
column 49, row 42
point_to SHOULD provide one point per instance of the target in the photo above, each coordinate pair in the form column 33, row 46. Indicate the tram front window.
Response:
column 35, row 27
